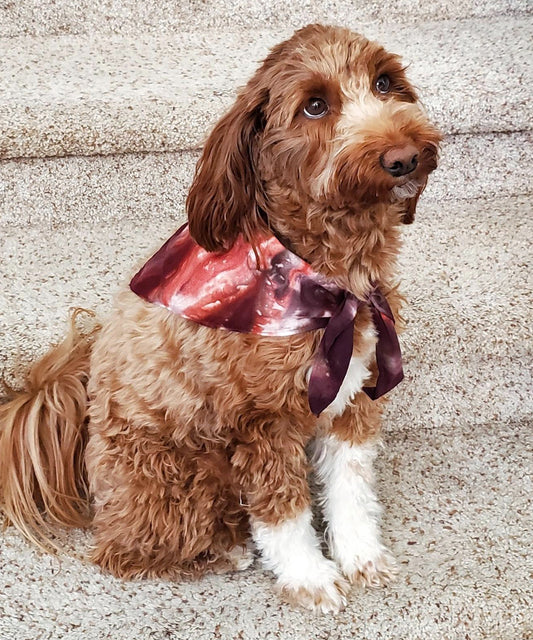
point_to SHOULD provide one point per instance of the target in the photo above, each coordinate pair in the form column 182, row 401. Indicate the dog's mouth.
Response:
column 407, row 189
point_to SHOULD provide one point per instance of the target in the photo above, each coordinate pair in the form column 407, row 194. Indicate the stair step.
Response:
column 129, row 17
column 59, row 191
column 112, row 94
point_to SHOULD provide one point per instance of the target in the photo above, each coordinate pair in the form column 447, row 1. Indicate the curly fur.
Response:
column 42, row 442
column 197, row 437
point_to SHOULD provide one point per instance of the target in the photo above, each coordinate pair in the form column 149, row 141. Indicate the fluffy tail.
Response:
column 42, row 441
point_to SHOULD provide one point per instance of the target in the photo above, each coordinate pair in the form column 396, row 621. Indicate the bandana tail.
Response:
column 333, row 357
column 388, row 353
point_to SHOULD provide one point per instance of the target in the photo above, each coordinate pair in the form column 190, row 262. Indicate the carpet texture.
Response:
column 102, row 109
column 60, row 17
column 103, row 94
column 454, row 475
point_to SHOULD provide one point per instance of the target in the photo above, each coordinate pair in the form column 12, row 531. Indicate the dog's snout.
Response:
column 399, row 161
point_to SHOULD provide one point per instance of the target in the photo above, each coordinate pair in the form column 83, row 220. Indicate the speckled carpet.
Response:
column 455, row 473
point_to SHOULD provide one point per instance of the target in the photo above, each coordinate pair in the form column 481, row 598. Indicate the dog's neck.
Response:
column 356, row 247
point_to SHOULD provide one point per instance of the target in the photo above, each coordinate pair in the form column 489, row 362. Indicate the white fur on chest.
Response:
column 355, row 377
column 353, row 383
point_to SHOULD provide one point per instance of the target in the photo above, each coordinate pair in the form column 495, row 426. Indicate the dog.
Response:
column 180, row 443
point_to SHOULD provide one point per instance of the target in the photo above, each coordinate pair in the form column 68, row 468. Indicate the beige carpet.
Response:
column 115, row 93
column 144, row 80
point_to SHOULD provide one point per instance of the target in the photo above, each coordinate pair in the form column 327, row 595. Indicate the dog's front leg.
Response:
column 273, row 477
column 343, row 461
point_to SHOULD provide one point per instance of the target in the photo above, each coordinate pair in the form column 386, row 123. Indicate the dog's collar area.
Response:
column 283, row 240
column 335, row 350
column 277, row 295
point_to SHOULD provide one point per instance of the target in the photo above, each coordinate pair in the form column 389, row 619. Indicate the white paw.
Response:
column 305, row 577
column 323, row 592
column 372, row 571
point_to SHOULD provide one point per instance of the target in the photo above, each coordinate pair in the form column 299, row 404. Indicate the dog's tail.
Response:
column 42, row 440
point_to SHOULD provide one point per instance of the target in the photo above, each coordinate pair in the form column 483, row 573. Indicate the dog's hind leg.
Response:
column 159, row 476
column 162, row 509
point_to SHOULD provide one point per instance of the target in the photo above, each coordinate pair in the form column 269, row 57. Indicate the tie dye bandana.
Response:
column 270, row 291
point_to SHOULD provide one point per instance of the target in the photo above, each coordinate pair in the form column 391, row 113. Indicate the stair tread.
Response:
column 128, row 17
column 104, row 94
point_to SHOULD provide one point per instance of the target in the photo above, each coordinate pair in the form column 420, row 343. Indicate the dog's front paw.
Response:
column 324, row 594
column 305, row 577
column 374, row 571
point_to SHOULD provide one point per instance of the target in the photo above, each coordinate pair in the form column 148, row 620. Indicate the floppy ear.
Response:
column 410, row 206
column 222, row 200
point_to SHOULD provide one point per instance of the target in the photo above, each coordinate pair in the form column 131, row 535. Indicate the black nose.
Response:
column 400, row 161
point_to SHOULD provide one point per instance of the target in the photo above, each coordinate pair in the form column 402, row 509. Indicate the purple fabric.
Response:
column 388, row 353
column 333, row 356
column 273, row 292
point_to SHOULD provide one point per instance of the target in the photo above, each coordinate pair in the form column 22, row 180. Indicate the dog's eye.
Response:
column 383, row 84
column 316, row 108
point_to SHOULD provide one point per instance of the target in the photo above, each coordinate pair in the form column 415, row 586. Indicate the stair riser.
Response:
column 61, row 191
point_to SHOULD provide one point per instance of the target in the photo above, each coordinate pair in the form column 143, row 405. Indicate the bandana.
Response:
column 268, row 290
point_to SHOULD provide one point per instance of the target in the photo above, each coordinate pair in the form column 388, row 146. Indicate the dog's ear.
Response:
column 222, row 201
column 410, row 206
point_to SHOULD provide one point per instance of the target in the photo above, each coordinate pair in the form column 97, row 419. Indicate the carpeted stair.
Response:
column 103, row 109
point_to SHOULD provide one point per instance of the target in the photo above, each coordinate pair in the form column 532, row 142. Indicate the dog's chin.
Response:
column 405, row 190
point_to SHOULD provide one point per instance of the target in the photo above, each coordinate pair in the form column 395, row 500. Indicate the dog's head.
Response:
column 329, row 122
